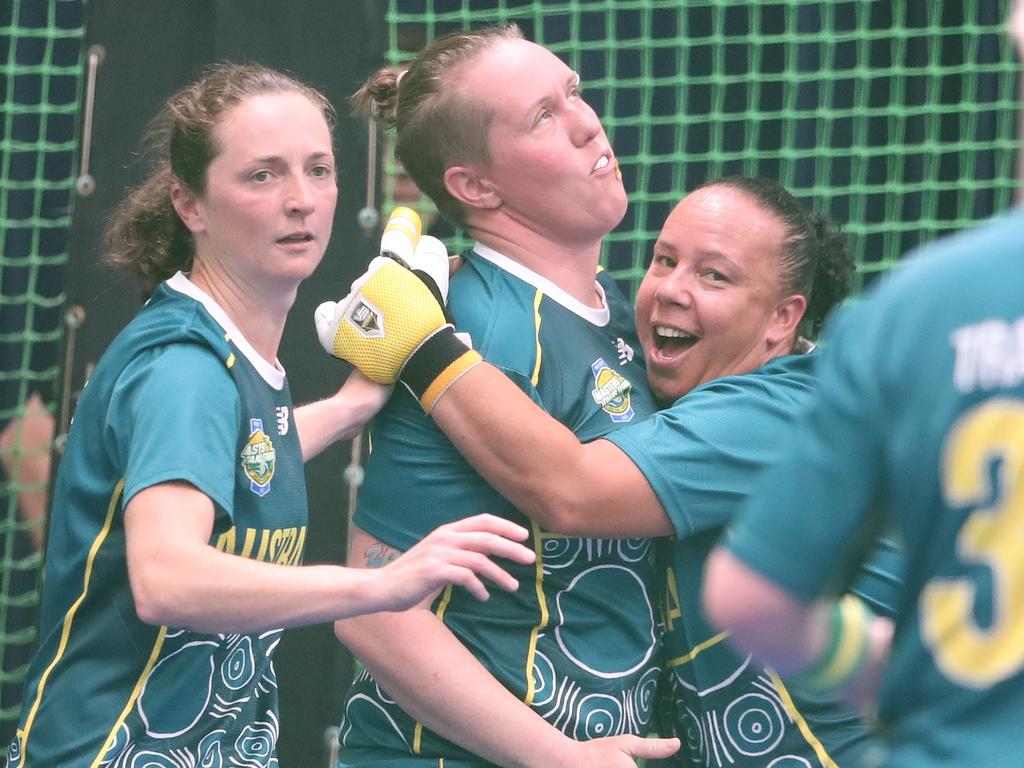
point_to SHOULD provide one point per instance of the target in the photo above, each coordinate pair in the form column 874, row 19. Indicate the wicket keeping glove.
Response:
column 393, row 326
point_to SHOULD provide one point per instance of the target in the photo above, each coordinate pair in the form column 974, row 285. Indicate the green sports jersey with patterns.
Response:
column 178, row 396
column 920, row 425
column 588, row 664
column 703, row 457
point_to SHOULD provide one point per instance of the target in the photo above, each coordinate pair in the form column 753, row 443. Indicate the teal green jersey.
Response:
column 920, row 424
column 178, row 396
column 587, row 664
column 703, row 457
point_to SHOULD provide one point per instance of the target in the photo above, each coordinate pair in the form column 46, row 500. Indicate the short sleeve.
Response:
column 814, row 506
column 701, row 456
column 174, row 415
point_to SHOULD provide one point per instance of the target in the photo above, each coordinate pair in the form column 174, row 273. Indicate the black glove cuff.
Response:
column 436, row 364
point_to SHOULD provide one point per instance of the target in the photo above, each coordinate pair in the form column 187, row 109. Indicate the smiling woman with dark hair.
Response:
column 735, row 269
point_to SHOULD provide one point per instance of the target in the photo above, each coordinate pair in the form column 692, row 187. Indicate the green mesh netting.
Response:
column 40, row 74
column 897, row 119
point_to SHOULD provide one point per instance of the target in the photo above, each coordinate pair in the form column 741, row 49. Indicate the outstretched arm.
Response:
column 340, row 416
column 458, row 698
column 177, row 579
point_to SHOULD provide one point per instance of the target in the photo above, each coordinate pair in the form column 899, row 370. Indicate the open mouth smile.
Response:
column 671, row 341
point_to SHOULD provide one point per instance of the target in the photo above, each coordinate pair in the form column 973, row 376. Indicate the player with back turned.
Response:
column 920, row 424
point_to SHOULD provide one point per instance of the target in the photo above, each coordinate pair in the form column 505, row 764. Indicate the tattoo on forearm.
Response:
column 379, row 555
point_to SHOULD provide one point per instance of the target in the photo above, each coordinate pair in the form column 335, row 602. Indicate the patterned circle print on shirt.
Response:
column 582, row 641
column 14, row 753
column 559, row 551
column 597, row 715
column 644, row 695
column 255, row 745
column 544, row 678
column 210, row 755
column 754, row 724
column 633, row 550
column 178, row 690
column 240, row 664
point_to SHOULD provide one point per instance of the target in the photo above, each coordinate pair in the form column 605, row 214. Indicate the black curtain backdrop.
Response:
column 152, row 48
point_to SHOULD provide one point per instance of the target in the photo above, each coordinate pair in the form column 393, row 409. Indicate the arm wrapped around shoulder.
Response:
column 392, row 326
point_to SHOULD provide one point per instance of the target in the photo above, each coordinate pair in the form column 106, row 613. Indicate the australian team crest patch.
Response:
column 258, row 458
column 611, row 391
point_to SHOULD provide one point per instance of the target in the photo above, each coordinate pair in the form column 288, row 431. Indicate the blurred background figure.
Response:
column 918, row 425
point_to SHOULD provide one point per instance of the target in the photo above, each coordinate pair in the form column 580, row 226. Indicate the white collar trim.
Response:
column 599, row 317
column 272, row 374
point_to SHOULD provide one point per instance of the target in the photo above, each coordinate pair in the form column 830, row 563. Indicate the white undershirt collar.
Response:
column 272, row 374
column 599, row 316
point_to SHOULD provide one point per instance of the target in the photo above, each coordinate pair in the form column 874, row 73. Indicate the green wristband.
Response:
column 847, row 649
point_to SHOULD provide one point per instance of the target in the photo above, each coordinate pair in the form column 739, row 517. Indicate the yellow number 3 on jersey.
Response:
column 969, row 654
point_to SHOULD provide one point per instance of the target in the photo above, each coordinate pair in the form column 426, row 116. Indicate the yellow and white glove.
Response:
column 403, row 240
column 392, row 325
